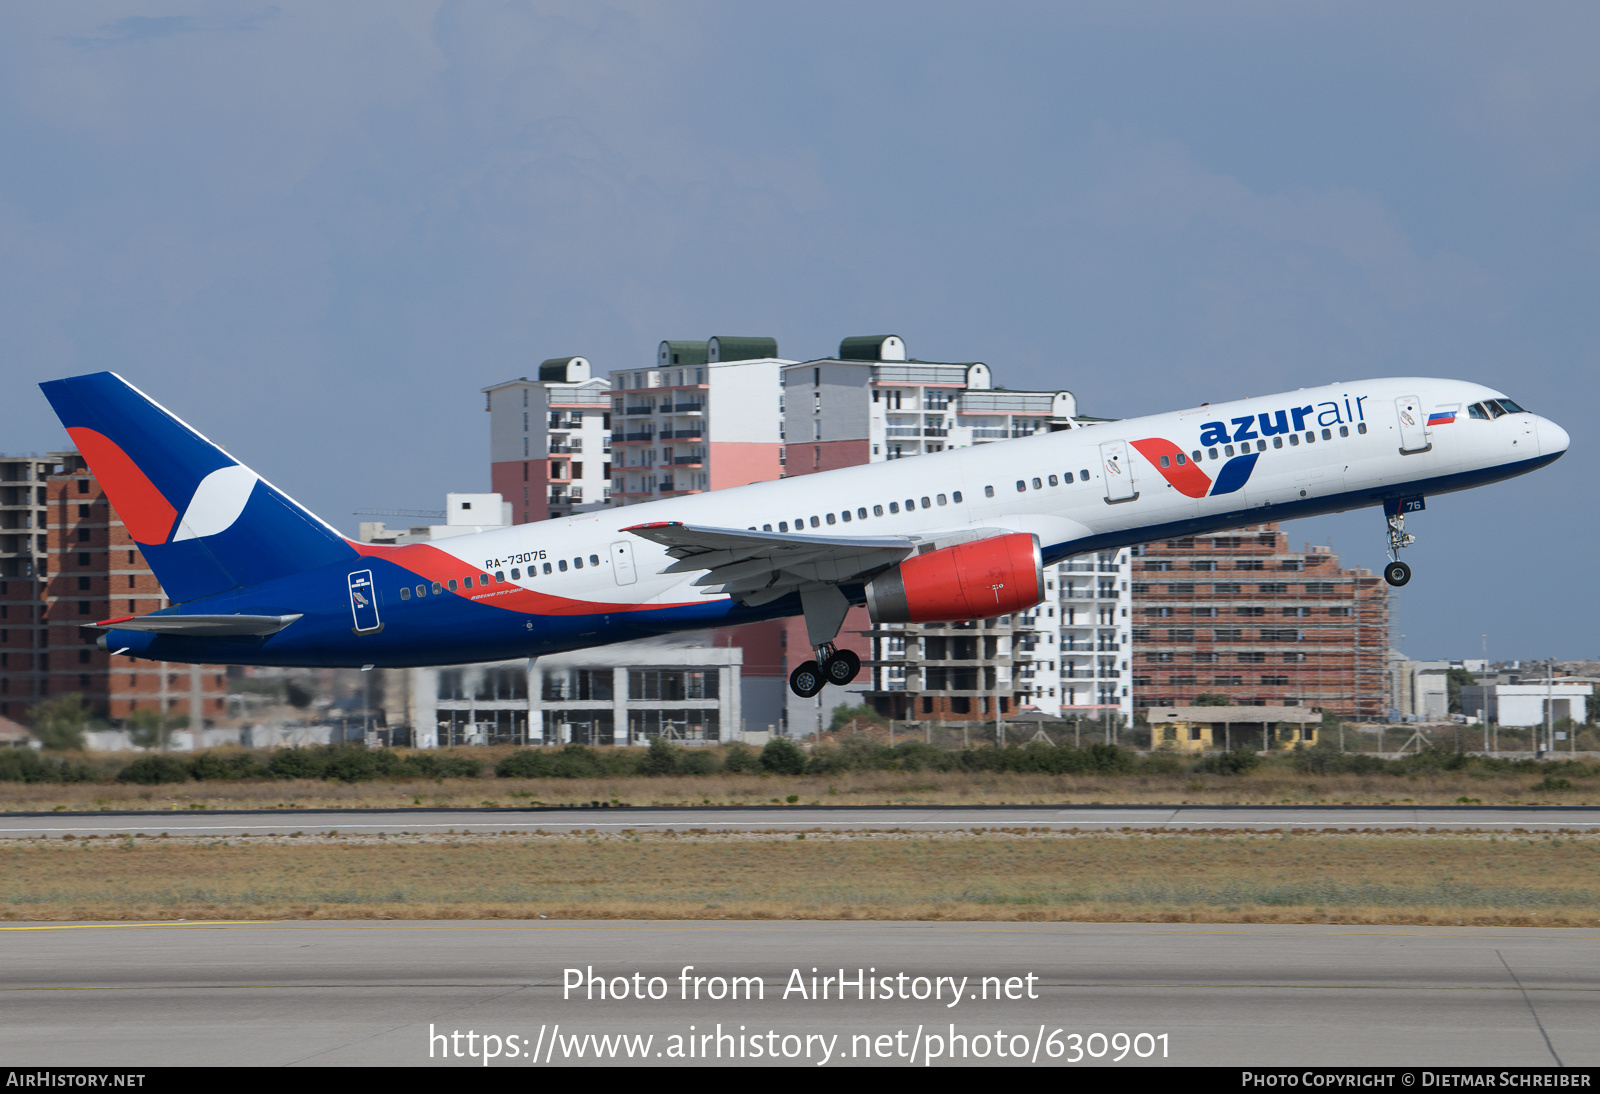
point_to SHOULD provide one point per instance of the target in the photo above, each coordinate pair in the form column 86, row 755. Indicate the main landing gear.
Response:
column 825, row 607
column 832, row 666
column 1397, row 573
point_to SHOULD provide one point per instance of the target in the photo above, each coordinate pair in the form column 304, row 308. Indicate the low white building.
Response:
column 1528, row 704
column 464, row 514
column 623, row 694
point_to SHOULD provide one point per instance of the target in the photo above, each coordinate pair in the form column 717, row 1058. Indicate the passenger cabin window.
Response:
column 955, row 496
column 894, row 507
column 783, row 526
column 1361, row 427
column 939, row 498
column 1038, row 484
column 815, row 522
column 422, row 590
column 877, row 510
column 861, row 513
column 1294, row 439
column 1327, row 434
column 499, row 576
column 1084, row 475
column 1344, row 431
column 927, row 504
column 561, row 564
column 594, row 560
column 577, row 563
column 405, row 593
column 547, row 567
column 437, row 588
column 452, row 584
column 988, row 491
column 1277, row 442
column 830, row 518
column 844, row 515
column 516, row 574
column 910, row 504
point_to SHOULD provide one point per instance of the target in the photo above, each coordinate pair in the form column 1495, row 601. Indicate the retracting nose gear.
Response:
column 825, row 607
column 1397, row 573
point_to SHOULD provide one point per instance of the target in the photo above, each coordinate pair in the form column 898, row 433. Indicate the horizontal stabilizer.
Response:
column 199, row 626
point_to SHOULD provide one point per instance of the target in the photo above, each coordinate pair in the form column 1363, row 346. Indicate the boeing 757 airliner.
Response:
column 256, row 579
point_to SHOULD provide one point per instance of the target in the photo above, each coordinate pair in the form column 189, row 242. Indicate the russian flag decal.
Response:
column 1443, row 415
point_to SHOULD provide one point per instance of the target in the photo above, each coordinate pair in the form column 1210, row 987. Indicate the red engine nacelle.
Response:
column 974, row 580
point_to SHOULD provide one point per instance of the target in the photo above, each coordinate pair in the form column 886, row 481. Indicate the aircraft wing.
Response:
column 755, row 567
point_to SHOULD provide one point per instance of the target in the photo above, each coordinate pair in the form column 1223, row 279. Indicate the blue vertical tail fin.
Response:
column 205, row 522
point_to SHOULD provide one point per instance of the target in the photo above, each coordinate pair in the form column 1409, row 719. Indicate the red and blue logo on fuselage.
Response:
column 1185, row 474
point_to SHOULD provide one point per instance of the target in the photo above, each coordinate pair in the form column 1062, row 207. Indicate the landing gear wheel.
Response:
column 842, row 667
column 1397, row 573
column 806, row 680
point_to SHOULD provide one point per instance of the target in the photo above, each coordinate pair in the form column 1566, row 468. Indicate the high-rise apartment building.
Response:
column 707, row 416
column 1244, row 617
column 24, row 567
column 550, row 441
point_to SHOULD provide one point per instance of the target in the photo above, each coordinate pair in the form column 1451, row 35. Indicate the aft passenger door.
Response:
column 1413, row 427
column 1117, row 470
column 622, row 563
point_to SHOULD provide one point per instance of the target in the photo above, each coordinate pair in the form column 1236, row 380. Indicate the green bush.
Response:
column 152, row 770
column 526, row 763
column 239, row 765
column 698, row 761
column 24, row 765
column 740, row 759
column 1238, row 761
column 296, row 763
column 782, row 756
column 660, row 759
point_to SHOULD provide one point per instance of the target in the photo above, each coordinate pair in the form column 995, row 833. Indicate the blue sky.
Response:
column 315, row 230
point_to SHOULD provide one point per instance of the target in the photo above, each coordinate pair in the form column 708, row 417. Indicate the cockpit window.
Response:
column 1476, row 411
column 1510, row 407
column 1493, row 407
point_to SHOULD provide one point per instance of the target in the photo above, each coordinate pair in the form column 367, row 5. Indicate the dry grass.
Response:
column 1265, row 786
column 1544, row 880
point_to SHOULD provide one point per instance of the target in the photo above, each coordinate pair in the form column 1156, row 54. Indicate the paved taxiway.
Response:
column 791, row 818
column 326, row 993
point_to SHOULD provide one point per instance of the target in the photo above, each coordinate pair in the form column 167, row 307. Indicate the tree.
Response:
column 782, row 756
column 1453, row 682
column 150, row 728
column 844, row 714
column 59, row 723
column 1210, row 699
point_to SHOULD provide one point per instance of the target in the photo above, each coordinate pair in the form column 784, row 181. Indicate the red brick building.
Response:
column 1243, row 616
column 93, row 570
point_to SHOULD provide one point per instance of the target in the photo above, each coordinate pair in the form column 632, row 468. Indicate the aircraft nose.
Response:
column 1553, row 440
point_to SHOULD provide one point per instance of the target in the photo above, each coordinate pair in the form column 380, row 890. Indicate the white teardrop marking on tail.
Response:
column 217, row 502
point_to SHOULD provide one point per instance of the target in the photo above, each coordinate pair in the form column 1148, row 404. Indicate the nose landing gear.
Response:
column 1397, row 573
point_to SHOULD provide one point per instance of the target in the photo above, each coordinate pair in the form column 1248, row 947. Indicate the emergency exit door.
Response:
column 364, row 603
column 1117, row 470
column 1413, row 428
column 622, row 563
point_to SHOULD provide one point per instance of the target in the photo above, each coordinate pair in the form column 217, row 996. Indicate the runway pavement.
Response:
column 324, row 993
column 745, row 818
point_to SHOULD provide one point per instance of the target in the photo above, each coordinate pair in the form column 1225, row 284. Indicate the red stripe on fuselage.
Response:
column 144, row 510
column 432, row 564
column 1189, row 479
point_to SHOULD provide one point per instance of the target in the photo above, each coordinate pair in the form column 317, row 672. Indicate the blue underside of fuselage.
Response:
column 451, row 629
